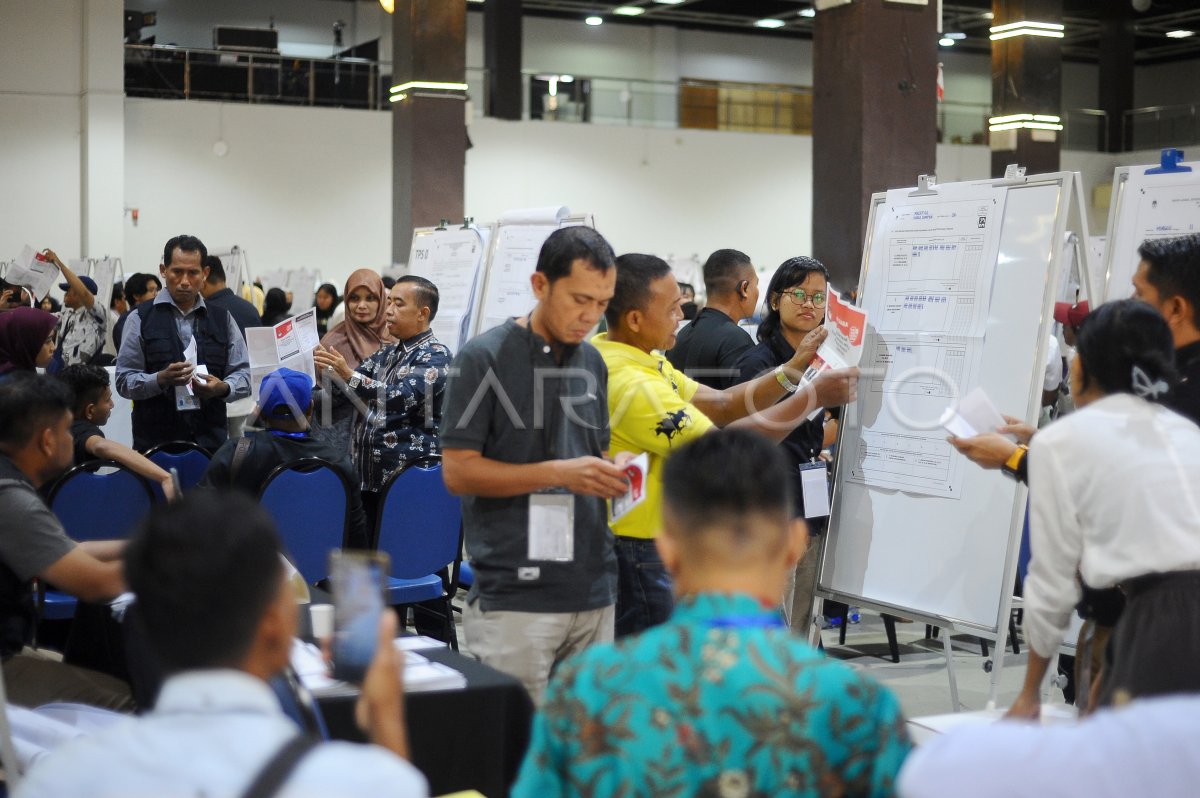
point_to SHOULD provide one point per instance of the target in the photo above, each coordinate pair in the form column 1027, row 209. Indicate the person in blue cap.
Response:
column 83, row 322
column 285, row 407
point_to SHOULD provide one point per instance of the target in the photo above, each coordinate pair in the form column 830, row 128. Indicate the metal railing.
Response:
column 1162, row 126
column 188, row 73
column 192, row 73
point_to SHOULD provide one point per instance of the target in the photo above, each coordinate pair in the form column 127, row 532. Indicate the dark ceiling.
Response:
column 1082, row 19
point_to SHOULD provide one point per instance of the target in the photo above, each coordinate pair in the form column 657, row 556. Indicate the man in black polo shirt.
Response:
column 525, row 438
column 1169, row 279
column 154, row 368
column 35, row 448
column 708, row 348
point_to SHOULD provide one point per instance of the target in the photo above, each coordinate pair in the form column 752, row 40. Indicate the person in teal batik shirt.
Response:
column 722, row 700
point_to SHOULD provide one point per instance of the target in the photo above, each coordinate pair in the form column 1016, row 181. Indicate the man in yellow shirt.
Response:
column 654, row 408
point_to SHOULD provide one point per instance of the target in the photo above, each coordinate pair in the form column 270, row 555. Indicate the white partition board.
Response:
column 1146, row 205
column 951, row 560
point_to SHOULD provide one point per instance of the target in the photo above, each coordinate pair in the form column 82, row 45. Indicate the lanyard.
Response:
column 759, row 621
column 283, row 434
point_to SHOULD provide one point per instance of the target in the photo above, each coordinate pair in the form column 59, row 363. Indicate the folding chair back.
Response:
column 309, row 500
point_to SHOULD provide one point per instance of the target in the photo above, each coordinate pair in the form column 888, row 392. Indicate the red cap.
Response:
column 1072, row 315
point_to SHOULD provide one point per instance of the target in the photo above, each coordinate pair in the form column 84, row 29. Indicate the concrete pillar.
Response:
column 429, row 131
column 874, row 118
column 1026, row 81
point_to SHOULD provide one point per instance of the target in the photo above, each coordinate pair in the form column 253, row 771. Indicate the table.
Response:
column 468, row 739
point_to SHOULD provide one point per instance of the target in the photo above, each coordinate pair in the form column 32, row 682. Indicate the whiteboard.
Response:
column 453, row 260
column 951, row 560
column 512, row 260
column 1146, row 206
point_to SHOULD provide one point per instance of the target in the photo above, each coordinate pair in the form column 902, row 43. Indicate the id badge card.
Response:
column 552, row 527
column 814, row 483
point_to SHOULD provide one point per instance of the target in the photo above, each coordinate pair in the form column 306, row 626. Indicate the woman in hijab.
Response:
column 326, row 302
column 275, row 309
column 26, row 340
column 361, row 334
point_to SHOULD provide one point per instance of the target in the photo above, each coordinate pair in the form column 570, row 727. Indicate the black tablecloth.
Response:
column 467, row 739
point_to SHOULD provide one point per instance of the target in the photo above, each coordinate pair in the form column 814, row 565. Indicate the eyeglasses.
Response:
column 798, row 297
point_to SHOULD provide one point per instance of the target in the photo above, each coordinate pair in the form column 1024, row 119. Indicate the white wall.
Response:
column 60, row 126
column 299, row 186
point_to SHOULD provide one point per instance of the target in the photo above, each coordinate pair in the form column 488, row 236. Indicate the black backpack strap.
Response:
column 279, row 767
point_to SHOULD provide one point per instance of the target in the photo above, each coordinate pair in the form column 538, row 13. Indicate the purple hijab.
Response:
column 22, row 333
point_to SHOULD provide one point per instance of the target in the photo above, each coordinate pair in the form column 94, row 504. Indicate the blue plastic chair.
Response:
column 188, row 458
column 309, row 501
column 94, row 506
column 419, row 526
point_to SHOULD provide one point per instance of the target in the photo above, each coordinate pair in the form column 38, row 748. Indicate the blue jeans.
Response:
column 644, row 595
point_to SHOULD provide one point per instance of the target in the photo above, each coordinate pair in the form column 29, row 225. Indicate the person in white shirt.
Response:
column 83, row 322
column 1113, row 496
column 1145, row 748
column 216, row 607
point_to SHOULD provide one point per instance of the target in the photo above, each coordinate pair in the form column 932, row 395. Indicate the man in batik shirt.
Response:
column 398, row 390
column 722, row 699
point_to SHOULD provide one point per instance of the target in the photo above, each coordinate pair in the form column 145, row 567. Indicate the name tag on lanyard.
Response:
column 814, row 484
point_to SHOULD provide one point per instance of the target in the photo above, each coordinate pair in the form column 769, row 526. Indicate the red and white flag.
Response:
column 941, row 86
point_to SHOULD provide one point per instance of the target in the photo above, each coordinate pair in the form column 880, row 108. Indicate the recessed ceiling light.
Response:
column 770, row 23
column 629, row 11
column 946, row 41
column 809, row 12
column 957, row 35
column 668, row 2
column 988, row 15
column 594, row 20
column 1180, row 34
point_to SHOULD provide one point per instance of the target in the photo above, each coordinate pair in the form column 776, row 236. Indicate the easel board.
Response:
column 1146, row 206
column 452, row 259
column 512, row 260
column 948, row 559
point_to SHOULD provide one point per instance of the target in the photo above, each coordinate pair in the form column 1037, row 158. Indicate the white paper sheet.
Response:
column 975, row 414
column 104, row 272
column 30, row 271
column 939, row 253
column 289, row 344
column 911, row 379
column 451, row 260
column 509, row 293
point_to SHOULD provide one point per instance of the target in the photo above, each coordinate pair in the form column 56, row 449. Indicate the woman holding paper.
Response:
column 361, row 334
column 1115, row 495
column 795, row 318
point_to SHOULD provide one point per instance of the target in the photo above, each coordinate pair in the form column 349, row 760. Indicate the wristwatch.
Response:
column 784, row 382
column 1015, row 466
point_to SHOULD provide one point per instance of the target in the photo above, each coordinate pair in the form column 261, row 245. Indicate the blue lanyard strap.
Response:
column 283, row 434
column 759, row 621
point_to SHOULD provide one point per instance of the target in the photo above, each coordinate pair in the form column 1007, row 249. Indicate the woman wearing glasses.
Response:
column 795, row 309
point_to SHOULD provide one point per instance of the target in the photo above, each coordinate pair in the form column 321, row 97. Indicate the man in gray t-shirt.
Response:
column 35, row 448
column 525, row 438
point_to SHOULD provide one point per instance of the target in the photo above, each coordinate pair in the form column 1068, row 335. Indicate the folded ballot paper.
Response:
column 973, row 415
column 843, row 346
column 635, row 471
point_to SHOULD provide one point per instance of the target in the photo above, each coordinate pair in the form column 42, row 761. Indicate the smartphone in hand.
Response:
column 357, row 578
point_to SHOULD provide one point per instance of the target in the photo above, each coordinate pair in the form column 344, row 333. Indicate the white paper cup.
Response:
column 321, row 618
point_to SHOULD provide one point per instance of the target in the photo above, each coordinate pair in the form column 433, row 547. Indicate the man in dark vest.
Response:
column 181, row 360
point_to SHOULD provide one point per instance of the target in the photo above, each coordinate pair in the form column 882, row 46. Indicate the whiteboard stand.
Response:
column 490, row 278
column 1172, row 181
column 968, row 589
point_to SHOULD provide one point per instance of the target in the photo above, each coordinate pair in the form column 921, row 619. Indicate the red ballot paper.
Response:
column 635, row 472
